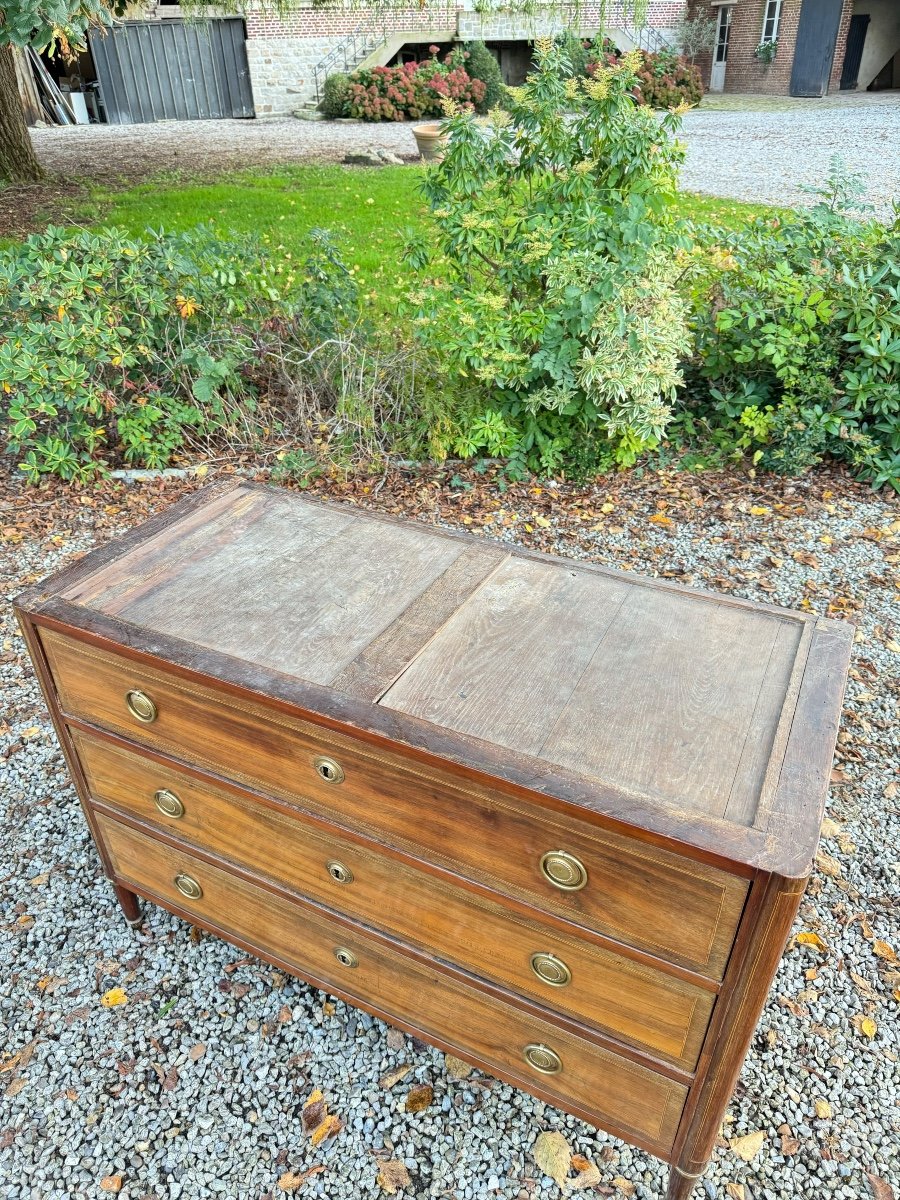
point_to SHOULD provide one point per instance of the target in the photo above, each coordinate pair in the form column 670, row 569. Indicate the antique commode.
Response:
column 553, row 818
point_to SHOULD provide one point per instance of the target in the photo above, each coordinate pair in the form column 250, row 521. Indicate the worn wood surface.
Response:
column 641, row 895
column 664, row 1015
column 619, row 1091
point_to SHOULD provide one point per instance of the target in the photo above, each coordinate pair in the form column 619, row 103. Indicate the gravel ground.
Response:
column 193, row 1088
column 745, row 154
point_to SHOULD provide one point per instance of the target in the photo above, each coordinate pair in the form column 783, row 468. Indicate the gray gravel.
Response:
column 743, row 153
column 117, row 1092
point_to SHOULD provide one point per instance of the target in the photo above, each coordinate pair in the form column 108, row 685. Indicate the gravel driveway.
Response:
column 193, row 1087
column 747, row 154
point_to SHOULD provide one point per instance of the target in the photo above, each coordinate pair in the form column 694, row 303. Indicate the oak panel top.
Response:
column 693, row 718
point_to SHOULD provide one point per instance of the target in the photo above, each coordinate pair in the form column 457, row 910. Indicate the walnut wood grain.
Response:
column 663, row 1015
column 620, row 1092
column 673, row 907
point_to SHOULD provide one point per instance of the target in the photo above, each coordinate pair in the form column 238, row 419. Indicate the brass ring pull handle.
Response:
column 188, row 887
column 328, row 769
column 168, row 804
column 339, row 873
column 346, row 957
column 564, row 870
column 141, row 706
column 543, row 1059
column 550, row 969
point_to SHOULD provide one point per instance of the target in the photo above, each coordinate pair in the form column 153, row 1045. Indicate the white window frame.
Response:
column 771, row 21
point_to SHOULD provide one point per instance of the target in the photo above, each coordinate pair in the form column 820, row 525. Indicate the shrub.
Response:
column 552, row 303
column 665, row 80
column 481, row 65
column 335, row 98
column 412, row 90
column 799, row 341
column 131, row 349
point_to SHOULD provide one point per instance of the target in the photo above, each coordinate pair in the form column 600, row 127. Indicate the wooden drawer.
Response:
column 662, row 1014
column 630, row 1097
column 658, row 901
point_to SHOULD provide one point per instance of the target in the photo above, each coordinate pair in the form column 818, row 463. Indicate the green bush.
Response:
column 118, row 349
column 548, row 291
column 798, row 341
column 665, row 80
column 336, row 96
column 413, row 89
column 481, row 64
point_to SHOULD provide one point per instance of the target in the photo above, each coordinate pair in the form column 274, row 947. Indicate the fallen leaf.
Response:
column 15, row 1087
column 830, row 828
column 625, row 1186
column 390, row 1078
column 883, row 950
column 759, row 510
column 880, row 1188
column 285, row 1016
column 113, row 997
column 396, row 1039
column 661, row 519
column 39, row 880
column 808, row 938
column 789, row 1144
column 748, row 1146
column 170, row 1080
column 456, row 1068
column 197, row 1051
column 735, row 1190
column 828, row 865
column 865, row 1025
column 329, row 1128
column 823, row 1110
column 314, row 1111
column 419, row 1098
column 290, row 1181
column 553, row 1156
column 111, row 1183
column 392, row 1176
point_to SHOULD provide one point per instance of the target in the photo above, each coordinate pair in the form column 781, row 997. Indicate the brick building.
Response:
column 820, row 46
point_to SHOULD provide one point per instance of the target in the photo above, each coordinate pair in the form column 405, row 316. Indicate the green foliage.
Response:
column 799, row 339
column 335, row 96
column 481, row 64
column 549, row 295
column 126, row 348
column 60, row 25
column 694, row 35
column 667, row 80
column 413, row 89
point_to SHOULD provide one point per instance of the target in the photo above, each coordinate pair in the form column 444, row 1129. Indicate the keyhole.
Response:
column 328, row 769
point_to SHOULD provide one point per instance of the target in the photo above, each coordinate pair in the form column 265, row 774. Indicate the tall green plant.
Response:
column 548, row 289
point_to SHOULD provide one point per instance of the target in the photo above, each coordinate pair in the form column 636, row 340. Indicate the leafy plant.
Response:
column 694, row 35
column 414, row 89
column 548, row 292
column 335, row 96
column 481, row 65
column 765, row 52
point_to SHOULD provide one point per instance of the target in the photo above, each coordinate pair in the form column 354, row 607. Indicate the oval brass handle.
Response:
column 328, row 769
column 188, row 887
column 543, row 1059
column 339, row 873
column 550, row 969
column 564, row 870
column 346, row 957
column 141, row 706
column 168, row 804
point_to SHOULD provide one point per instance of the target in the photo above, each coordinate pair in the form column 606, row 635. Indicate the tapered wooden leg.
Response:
column 682, row 1183
column 131, row 906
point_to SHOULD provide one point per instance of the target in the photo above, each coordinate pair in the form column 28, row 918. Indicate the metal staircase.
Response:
column 645, row 37
column 370, row 35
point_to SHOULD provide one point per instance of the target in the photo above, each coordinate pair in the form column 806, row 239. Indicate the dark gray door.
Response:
column 173, row 71
column 814, row 52
column 856, row 39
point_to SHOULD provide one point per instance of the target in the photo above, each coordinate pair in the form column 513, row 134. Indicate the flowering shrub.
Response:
column 412, row 90
column 664, row 78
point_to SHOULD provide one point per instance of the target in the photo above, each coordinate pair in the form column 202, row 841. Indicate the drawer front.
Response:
column 622, row 1094
column 642, row 895
column 660, row 1014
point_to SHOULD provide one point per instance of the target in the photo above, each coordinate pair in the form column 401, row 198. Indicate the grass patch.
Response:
column 370, row 207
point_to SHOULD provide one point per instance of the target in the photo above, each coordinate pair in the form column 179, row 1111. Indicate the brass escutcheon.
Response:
column 339, row 873
column 346, row 957
column 543, row 1059
column 168, row 804
column 564, row 870
column 550, row 969
column 328, row 769
column 140, row 706
column 188, row 887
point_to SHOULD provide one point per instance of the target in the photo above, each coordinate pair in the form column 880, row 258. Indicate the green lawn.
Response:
column 370, row 207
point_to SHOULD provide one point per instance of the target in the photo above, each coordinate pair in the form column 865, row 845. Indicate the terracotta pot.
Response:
column 430, row 140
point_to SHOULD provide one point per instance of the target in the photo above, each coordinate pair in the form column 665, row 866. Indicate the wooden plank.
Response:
column 379, row 664
column 504, row 667
column 665, row 706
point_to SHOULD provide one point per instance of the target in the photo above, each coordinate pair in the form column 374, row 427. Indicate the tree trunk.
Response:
column 18, row 162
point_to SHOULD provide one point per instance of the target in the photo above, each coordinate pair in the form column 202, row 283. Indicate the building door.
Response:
column 720, row 54
column 856, row 39
column 817, row 32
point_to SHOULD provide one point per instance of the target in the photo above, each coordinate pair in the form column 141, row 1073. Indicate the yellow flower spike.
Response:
column 543, row 45
column 630, row 63
column 598, row 87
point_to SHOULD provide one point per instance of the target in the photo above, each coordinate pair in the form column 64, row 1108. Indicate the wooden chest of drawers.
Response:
column 550, row 817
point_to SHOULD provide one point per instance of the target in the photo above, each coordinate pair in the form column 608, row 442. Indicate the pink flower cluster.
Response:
column 411, row 90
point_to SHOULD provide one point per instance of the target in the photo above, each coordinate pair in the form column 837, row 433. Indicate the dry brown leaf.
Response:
column 748, row 1146
column 396, row 1039
column 314, row 1111
column 285, row 1016
column 330, row 1127
column 808, row 938
column 883, row 950
column 456, row 1068
column 553, row 1155
column 823, row 1110
column 789, row 1144
column 625, row 1186
column 880, row 1188
column 392, row 1176
column 197, row 1051
column 390, row 1078
column 735, row 1190
column 290, row 1181
column 828, row 865
column 111, row 1183
column 20, row 1059
column 588, row 1174
column 15, row 1087
column 419, row 1098
column 831, row 828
